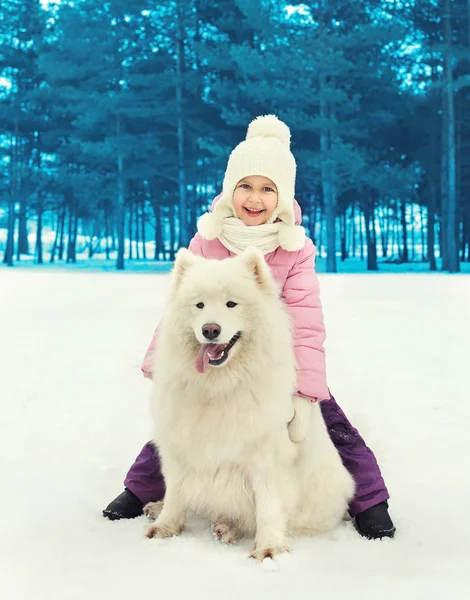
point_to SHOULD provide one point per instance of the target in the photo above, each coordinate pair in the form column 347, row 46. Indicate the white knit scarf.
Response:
column 236, row 236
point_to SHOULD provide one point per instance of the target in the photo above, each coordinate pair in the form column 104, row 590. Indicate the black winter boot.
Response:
column 375, row 523
column 125, row 506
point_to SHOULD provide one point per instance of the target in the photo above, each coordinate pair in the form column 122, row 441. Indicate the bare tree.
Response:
column 451, row 231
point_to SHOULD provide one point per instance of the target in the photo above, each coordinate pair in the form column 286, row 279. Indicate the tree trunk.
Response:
column 326, row 142
column 71, row 253
column 193, row 204
column 430, row 228
column 329, row 192
column 466, row 239
column 180, row 69
column 353, row 233
column 56, row 239
column 374, row 237
column 172, row 231
column 75, row 232
column 22, row 246
column 106, row 229
column 443, row 253
column 91, row 249
column 396, row 235
column 39, row 209
column 120, row 209
column 368, row 210
column 361, row 236
column 451, row 232
column 22, row 243
column 320, row 245
column 142, row 221
column 10, row 246
column 159, row 249
column 131, row 214
column 313, row 222
column 69, row 233
column 9, row 250
column 343, row 232
column 137, row 231
column 466, row 234
column 63, row 211
column 384, row 231
column 404, row 257
column 460, row 171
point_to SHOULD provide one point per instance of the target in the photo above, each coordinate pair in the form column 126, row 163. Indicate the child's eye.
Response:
column 245, row 186
column 268, row 189
column 231, row 304
column 200, row 305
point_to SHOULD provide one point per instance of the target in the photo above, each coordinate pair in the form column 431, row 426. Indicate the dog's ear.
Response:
column 184, row 259
column 254, row 261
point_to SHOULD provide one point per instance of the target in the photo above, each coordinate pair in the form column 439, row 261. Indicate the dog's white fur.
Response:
column 222, row 435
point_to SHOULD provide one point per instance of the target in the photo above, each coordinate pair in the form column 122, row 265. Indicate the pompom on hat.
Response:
column 266, row 152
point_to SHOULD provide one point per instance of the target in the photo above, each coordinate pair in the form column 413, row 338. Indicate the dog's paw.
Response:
column 153, row 509
column 225, row 533
column 160, row 530
column 261, row 553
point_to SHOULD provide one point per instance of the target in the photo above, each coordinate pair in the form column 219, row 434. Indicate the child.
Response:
column 257, row 208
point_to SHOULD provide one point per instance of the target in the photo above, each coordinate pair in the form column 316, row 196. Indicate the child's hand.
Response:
column 299, row 425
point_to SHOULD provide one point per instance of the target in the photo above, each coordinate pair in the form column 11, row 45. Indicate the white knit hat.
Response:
column 266, row 152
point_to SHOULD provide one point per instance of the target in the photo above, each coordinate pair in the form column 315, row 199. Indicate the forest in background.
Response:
column 117, row 118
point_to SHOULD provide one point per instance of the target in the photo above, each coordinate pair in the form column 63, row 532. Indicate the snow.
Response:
column 74, row 414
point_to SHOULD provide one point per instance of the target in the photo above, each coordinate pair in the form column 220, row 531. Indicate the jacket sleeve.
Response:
column 302, row 297
column 195, row 247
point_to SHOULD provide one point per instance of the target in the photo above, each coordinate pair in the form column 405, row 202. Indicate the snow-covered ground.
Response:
column 74, row 413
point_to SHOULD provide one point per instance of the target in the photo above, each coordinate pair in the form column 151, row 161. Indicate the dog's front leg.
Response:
column 171, row 520
column 271, row 520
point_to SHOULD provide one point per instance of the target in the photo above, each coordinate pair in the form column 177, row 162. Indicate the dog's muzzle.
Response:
column 214, row 354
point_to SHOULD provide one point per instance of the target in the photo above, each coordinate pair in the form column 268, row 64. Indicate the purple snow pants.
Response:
column 146, row 481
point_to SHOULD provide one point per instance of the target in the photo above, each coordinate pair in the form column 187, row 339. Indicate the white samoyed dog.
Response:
column 222, row 398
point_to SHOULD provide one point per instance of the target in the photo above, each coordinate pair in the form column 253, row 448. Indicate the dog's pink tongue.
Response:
column 206, row 352
column 203, row 358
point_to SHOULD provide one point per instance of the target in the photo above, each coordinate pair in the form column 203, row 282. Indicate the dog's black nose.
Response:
column 210, row 331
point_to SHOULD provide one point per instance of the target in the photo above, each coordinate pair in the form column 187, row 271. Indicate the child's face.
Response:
column 255, row 199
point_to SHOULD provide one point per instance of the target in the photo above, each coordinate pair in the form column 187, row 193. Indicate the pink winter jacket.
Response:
column 301, row 293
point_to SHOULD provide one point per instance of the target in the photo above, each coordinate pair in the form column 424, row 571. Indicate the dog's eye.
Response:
column 200, row 305
column 231, row 304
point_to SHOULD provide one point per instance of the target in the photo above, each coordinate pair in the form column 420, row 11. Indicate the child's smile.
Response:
column 255, row 199
column 253, row 212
